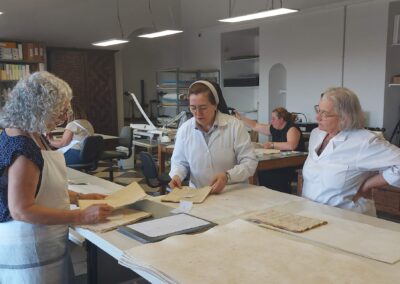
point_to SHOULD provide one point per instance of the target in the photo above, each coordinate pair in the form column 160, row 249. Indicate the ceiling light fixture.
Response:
column 109, row 42
column 154, row 32
column 1, row 13
column 258, row 15
column 160, row 33
column 113, row 41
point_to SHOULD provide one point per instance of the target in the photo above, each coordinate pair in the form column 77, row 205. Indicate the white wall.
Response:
column 140, row 60
column 309, row 44
column 309, row 47
column 365, row 57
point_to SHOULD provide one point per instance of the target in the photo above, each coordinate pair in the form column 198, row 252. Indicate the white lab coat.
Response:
column 229, row 150
column 334, row 177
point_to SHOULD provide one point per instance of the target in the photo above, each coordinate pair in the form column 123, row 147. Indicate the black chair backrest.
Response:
column 149, row 167
column 125, row 138
column 91, row 149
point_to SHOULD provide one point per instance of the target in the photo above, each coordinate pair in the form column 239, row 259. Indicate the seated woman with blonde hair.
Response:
column 75, row 133
column 346, row 161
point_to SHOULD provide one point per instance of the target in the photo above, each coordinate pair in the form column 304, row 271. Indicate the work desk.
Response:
column 237, row 201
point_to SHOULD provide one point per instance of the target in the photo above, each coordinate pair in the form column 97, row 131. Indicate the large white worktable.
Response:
column 224, row 208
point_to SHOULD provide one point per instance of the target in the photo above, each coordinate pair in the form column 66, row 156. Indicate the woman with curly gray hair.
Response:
column 345, row 160
column 34, row 200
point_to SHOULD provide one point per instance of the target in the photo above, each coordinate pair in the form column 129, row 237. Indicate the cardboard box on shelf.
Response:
column 396, row 79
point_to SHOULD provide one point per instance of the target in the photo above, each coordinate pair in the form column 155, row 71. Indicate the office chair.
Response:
column 150, row 172
column 91, row 150
column 125, row 140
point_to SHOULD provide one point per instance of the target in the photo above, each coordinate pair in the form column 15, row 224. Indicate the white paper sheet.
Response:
column 168, row 225
column 354, row 237
column 241, row 252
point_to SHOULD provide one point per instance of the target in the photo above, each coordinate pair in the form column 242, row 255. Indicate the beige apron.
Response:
column 32, row 253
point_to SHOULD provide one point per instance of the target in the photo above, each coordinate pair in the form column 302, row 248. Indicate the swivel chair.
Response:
column 91, row 150
column 150, row 172
column 125, row 140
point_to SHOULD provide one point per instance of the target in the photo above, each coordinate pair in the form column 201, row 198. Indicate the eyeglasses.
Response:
column 323, row 114
column 201, row 108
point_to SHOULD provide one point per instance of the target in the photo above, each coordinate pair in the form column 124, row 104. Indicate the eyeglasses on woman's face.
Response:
column 323, row 114
column 200, row 108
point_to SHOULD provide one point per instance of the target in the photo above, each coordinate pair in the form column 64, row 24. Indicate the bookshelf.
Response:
column 19, row 59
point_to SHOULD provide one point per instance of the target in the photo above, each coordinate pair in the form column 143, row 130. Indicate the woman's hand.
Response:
column 218, row 183
column 237, row 115
column 95, row 214
column 269, row 145
column 364, row 191
column 175, row 182
column 92, row 196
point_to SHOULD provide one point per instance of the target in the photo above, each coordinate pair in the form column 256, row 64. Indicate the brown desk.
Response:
column 163, row 151
column 266, row 162
column 278, row 161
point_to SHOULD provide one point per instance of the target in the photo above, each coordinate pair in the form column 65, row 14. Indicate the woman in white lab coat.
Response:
column 74, row 134
column 346, row 161
column 34, row 200
column 213, row 147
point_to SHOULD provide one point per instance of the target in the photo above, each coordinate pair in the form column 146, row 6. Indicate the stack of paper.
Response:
column 120, row 217
column 188, row 194
column 128, row 195
column 251, row 255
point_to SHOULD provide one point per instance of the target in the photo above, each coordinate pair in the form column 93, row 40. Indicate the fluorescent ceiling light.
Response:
column 259, row 15
column 110, row 42
column 159, row 34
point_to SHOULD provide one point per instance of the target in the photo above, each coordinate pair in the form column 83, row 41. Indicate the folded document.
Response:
column 128, row 195
column 187, row 193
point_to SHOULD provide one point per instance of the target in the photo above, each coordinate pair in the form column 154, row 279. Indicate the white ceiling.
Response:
column 77, row 23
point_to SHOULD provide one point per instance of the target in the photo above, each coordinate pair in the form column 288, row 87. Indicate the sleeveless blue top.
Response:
column 10, row 148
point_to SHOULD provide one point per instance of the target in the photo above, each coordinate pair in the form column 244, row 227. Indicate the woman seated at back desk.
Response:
column 75, row 133
column 285, row 136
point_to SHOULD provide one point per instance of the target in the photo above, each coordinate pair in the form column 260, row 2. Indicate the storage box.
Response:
column 396, row 79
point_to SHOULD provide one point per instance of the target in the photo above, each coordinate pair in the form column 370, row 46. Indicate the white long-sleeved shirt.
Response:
column 228, row 150
column 334, row 177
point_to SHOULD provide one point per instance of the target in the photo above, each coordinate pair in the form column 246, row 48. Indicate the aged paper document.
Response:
column 195, row 195
column 262, row 151
column 251, row 254
column 128, row 195
column 286, row 221
column 119, row 217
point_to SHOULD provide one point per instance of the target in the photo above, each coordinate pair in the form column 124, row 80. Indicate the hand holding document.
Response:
column 188, row 194
column 119, row 217
column 128, row 195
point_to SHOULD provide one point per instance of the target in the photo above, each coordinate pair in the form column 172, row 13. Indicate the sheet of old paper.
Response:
column 355, row 237
column 186, row 193
column 286, row 221
column 120, row 217
column 128, row 195
column 251, row 254
column 260, row 152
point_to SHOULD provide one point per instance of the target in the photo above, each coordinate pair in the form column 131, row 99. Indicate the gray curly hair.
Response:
column 347, row 106
column 36, row 102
